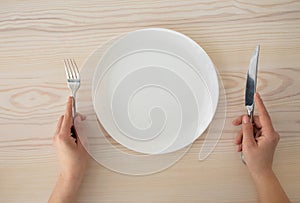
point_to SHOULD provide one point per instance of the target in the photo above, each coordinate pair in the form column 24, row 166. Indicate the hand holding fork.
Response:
column 73, row 81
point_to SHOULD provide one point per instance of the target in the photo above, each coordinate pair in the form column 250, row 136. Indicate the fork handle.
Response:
column 73, row 130
column 74, row 133
column 74, row 107
column 73, row 112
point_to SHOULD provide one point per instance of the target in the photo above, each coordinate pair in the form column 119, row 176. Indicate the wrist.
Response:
column 268, row 187
column 263, row 176
column 69, row 178
column 65, row 189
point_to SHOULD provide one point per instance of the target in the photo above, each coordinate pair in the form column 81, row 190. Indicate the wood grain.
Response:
column 36, row 35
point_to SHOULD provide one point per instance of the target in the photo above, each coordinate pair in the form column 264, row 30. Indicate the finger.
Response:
column 238, row 138
column 258, row 134
column 68, row 112
column 257, row 122
column 264, row 116
column 58, row 127
column 248, row 137
column 239, row 148
column 237, row 121
column 67, row 122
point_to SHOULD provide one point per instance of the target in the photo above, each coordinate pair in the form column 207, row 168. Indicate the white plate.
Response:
column 155, row 91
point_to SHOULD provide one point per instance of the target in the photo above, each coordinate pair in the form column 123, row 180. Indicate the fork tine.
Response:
column 76, row 69
column 67, row 69
column 71, row 69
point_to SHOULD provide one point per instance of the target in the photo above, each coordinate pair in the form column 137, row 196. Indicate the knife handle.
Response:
column 251, row 116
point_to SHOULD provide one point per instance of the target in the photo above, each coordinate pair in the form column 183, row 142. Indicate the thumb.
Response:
column 83, row 140
column 248, row 137
column 79, row 118
column 83, row 143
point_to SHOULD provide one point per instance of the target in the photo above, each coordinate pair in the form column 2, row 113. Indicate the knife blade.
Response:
column 251, row 83
column 251, row 87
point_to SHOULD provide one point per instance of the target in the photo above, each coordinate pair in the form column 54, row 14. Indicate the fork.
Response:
column 73, row 80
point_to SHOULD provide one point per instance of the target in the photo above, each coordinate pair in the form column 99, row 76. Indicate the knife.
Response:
column 251, row 86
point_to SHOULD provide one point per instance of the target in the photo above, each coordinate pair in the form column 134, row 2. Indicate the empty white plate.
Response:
column 155, row 91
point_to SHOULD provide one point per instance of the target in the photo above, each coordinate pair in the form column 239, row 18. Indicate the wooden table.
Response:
column 36, row 35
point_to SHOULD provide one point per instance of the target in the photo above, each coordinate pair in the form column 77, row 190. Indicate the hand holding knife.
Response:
column 251, row 87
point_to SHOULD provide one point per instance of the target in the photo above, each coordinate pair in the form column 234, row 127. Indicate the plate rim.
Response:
column 211, row 64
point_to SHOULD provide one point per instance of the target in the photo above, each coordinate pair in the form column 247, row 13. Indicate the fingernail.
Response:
column 246, row 119
column 233, row 122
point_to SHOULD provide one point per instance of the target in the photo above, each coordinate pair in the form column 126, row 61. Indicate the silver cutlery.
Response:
column 73, row 81
column 251, row 87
